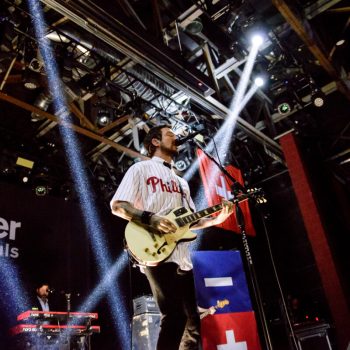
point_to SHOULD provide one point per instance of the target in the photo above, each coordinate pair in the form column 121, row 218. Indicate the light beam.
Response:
column 77, row 167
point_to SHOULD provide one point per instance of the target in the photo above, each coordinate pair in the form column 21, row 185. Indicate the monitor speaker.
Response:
column 312, row 337
column 314, row 342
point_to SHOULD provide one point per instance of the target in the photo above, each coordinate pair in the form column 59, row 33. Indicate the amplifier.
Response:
column 145, row 304
column 313, row 336
column 145, row 331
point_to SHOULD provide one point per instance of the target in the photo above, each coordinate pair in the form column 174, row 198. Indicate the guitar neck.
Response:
column 191, row 218
column 205, row 212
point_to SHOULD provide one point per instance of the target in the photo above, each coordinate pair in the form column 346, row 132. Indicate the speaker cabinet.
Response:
column 313, row 337
column 145, row 330
column 145, row 304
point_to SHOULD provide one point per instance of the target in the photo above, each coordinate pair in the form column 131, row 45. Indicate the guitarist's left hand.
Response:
column 227, row 210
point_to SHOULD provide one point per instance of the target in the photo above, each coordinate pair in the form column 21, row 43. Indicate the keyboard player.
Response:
column 41, row 300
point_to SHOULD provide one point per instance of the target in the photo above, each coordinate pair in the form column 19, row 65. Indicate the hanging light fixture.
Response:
column 195, row 27
column 43, row 101
column 283, row 104
column 104, row 117
column 318, row 98
column 317, row 95
column 31, row 80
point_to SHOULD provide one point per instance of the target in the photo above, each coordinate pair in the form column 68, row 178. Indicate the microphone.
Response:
column 69, row 294
column 182, row 140
column 51, row 290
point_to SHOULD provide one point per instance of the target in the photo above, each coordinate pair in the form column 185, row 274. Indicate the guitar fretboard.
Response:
column 189, row 219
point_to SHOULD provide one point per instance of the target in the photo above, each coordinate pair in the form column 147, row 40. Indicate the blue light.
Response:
column 14, row 297
column 104, row 287
column 224, row 135
column 77, row 167
column 105, row 284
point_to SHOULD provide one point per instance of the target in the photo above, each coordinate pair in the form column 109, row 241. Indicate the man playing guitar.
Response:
column 150, row 190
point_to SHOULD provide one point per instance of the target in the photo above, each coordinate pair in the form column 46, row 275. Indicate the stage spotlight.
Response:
column 231, row 21
column 36, row 65
column 284, row 107
column 41, row 190
column 340, row 42
column 318, row 98
column 41, row 182
column 259, row 81
column 195, row 27
column 31, row 79
column 43, row 101
column 283, row 104
column 104, row 117
column 257, row 40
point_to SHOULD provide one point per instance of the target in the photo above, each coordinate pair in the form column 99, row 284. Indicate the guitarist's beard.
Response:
column 171, row 152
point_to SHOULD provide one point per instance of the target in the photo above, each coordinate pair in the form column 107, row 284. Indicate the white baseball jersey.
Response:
column 150, row 185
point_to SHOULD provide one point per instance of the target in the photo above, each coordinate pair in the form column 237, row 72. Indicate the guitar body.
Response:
column 150, row 248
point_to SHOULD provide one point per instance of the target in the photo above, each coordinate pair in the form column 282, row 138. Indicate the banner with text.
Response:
column 43, row 237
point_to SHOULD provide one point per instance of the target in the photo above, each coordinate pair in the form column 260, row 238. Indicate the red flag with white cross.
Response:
column 217, row 187
column 232, row 331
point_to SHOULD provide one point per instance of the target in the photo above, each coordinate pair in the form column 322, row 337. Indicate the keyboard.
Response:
column 58, row 315
column 53, row 329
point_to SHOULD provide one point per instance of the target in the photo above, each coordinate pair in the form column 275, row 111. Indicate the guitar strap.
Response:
column 184, row 197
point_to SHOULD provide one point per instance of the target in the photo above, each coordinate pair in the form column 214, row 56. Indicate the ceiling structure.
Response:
column 128, row 64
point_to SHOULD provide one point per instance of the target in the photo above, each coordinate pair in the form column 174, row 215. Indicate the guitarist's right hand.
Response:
column 162, row 224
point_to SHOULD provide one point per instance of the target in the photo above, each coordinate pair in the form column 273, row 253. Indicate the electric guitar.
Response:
column 219, row 305
column 150, row 247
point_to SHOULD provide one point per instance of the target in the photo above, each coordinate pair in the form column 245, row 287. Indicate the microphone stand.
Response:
column 68, row 296
column 88, row 334
column 236, row 188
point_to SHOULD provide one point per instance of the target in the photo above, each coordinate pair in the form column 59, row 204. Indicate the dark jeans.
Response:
column 175, row 295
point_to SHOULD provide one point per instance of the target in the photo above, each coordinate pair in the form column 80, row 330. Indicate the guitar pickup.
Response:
column 180, row 211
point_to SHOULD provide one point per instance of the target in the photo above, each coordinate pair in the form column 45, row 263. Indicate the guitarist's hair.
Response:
column 154, row 133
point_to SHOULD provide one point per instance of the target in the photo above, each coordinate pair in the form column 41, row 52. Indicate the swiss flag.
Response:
column 236, row 331
column 217, row 187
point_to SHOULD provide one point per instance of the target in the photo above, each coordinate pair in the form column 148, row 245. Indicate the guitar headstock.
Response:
column 257, row 194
